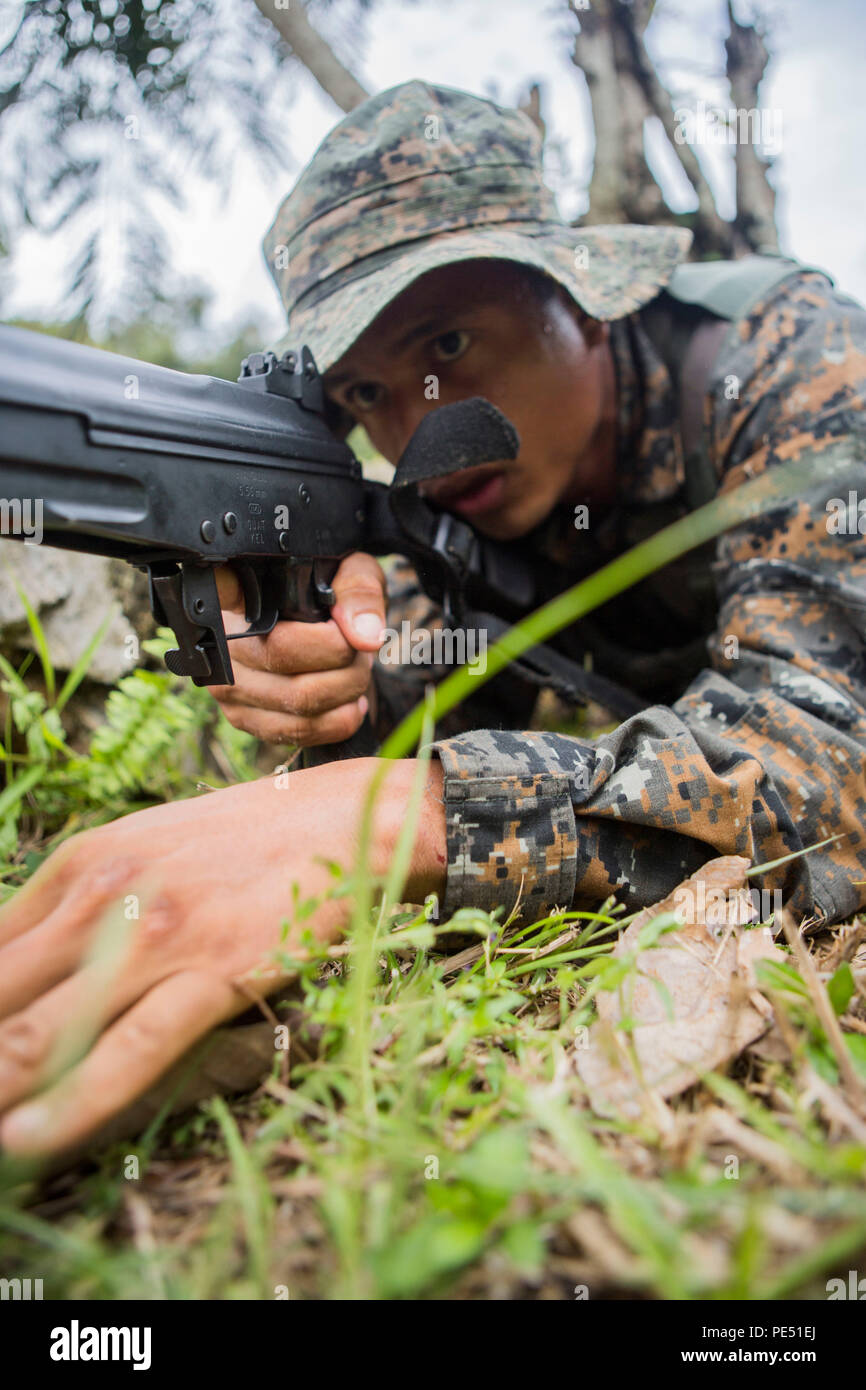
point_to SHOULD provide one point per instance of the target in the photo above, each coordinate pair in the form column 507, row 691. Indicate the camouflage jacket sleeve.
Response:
column 765, row 752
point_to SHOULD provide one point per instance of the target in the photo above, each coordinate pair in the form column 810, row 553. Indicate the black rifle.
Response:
column 179, row 473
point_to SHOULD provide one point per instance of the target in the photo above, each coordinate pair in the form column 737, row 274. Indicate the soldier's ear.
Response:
column 595, row 333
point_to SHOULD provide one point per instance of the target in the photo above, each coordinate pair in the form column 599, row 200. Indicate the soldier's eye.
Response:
column 365, row 396
column 451, row 345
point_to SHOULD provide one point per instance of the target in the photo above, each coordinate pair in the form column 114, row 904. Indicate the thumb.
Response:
column 359, row 612
column 231, row 594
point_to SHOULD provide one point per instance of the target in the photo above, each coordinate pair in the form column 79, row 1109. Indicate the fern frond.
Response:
column 133, row 750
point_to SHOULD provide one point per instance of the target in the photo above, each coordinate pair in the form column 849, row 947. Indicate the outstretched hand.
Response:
column 192, row 895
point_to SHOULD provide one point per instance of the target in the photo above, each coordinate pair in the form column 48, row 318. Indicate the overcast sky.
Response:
column 495, row 48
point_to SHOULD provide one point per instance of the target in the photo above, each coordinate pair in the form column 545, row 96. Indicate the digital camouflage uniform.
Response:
column 749, row 652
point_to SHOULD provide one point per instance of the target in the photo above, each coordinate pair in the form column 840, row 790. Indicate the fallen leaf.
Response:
column 692, row 1001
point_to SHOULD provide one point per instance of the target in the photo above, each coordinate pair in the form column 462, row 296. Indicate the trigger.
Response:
column 324, row 593
column 252, row 592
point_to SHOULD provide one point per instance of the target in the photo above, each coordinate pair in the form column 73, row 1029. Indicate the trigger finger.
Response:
column 292, row 648
column 229, row 589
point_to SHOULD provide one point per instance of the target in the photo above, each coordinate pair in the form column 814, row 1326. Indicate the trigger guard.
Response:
column 254, row 602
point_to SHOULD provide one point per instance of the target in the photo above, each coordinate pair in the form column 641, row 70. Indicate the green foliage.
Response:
column 156, row 338
column 148, row 749
column 136, row 95
column 454, row 1164
column 143, row 719
column 790, row 994
column 842, row 987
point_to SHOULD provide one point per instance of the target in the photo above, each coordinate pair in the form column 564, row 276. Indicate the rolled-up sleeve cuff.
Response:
column 510, row 829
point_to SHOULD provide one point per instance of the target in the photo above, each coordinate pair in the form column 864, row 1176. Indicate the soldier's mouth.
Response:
column 475, row 491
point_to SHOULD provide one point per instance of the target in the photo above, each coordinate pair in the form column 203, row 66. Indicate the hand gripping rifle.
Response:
column 179, row 473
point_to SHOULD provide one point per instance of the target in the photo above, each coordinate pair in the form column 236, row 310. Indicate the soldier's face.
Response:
column 476, row 329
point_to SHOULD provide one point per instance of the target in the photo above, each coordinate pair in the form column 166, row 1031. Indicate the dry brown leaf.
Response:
column 705, row 978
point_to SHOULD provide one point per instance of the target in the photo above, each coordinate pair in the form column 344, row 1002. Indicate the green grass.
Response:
column 461, row 1160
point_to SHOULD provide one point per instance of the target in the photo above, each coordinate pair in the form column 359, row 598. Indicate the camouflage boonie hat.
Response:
column 419, row 177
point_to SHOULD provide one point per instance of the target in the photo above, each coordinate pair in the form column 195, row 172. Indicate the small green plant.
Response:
column 147, row 749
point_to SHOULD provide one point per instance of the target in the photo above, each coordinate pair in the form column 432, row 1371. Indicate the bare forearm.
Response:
column 343, row 786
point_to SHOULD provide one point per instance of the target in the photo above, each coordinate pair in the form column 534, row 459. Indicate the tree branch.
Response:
column 531, row 106
column 711, row 231
column 316, row 54
column 747, row 59
column 643, row 199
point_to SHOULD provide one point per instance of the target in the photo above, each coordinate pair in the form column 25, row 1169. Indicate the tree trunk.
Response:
column 594, row 54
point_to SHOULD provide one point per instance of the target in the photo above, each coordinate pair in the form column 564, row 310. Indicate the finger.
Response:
column 127, row 1059
column 289, row 649
column 40, row 1041
column 333, row 727
column 38, row 958
column 359, row 612
column 39, row 895
column 229, row 588
column 47, row 889
column 310, row 694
